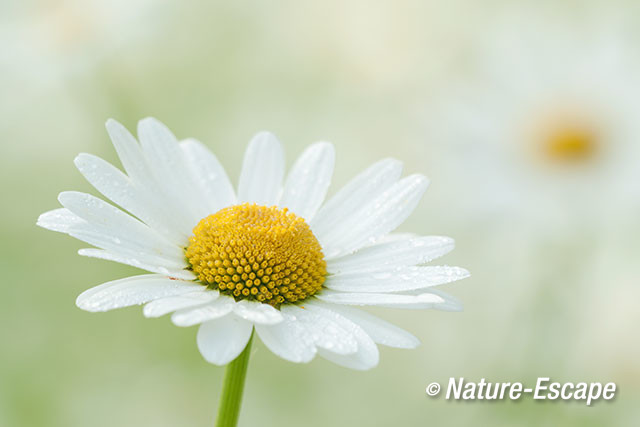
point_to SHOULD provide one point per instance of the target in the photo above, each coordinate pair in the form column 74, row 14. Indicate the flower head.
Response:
column 545, row 120
column 270, row 257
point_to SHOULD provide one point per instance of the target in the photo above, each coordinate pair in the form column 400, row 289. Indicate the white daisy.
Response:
column 546, row 119
column 270, row 256
column 58, row 40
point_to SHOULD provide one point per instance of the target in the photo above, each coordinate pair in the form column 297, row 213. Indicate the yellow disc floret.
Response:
column 256, row 252
column 570, row 143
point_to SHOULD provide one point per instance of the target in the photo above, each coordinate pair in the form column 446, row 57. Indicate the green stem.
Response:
column 231, row 398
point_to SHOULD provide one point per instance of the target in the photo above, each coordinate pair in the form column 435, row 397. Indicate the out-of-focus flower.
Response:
column 545, row 125
column 270, row 256
column 59, row 39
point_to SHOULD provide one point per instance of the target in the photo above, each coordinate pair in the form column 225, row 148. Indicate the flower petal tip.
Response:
column 84, row 303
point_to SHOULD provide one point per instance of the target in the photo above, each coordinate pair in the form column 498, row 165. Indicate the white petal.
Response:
column 376, row 218
column 262, row 171
column 166, row 161
column 137, row 167
column 397, row 279
column 308, row 181
column 131, row 291
column 139, row 261
column 162, row 306
column 324, row 330
column 256, row 312
column 60, row 220
column 129, row 152
column 215, row 309
column 398, row 253
column 211, row 178
column 116, row 186
column 450, row 303
column 422, row 301
column 119, row 250
column 394, row 237
column 110, row 228
column 220, row 341
column 367, row 355
column 359, row 191
column 380, row 331
column 288, row 339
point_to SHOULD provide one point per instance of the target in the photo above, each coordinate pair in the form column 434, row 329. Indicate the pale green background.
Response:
column 358, row 74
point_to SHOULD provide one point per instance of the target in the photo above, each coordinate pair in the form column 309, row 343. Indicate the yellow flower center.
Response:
column 256, row 252
column 570, row 144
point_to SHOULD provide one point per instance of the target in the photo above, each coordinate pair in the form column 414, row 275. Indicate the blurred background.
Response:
column 524, row 116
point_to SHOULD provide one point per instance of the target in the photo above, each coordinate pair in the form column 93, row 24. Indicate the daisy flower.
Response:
column 58, row 40
column 269, row 256
column 546, row 119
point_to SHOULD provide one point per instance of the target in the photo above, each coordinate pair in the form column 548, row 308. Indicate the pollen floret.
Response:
column 571, row 143
column 256, row 252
